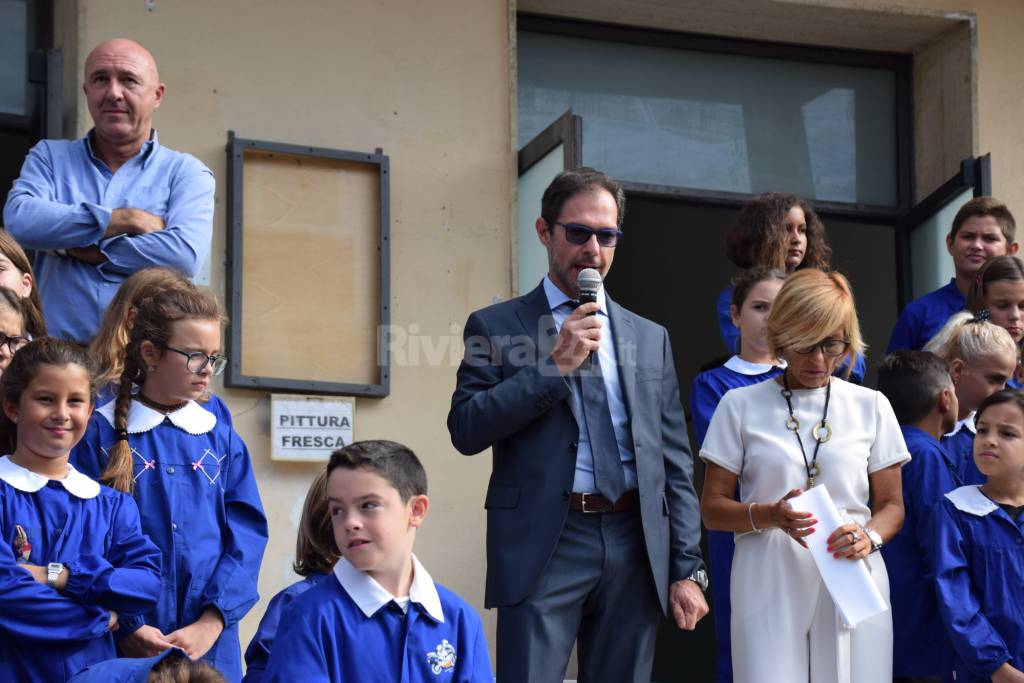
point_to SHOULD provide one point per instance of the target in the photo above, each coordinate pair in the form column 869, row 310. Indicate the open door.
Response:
column 553, row 150
column 923, row 262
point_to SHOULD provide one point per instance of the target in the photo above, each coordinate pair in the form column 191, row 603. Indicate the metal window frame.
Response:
column 234, row 377
column 900, row 64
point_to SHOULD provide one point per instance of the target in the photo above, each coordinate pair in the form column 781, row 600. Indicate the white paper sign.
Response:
column 848, row 582
column 309, row 428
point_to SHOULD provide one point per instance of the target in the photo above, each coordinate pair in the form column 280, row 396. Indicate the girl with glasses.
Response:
column 191, row 476
column 13, row 335
column 775, row 439
column 108, row 346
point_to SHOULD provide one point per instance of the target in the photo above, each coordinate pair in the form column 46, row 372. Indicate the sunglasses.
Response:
column 580, row 234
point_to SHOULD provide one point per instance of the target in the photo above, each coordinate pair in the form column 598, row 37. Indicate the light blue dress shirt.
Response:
column 64, row 198
column 583, row 482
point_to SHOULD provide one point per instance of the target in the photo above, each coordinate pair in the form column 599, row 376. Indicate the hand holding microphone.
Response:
column 580, row 335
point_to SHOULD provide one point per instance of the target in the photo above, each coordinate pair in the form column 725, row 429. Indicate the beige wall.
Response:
column 425, row 81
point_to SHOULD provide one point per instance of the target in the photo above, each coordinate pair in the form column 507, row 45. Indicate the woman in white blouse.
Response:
column 778, row 438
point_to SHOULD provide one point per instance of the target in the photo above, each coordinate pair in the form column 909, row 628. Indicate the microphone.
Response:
column 589, row 283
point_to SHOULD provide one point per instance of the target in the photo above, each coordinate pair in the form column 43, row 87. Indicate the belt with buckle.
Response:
column 594, row 502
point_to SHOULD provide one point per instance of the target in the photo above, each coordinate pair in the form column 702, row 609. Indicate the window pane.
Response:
column 13, row 56
column 714, row 121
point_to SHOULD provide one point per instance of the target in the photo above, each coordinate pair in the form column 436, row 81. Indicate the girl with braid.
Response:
column 191, row 476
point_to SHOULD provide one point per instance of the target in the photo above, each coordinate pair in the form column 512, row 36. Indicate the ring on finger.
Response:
column 853, row 537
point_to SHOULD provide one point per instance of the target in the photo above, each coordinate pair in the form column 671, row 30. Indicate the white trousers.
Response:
column 785, row 628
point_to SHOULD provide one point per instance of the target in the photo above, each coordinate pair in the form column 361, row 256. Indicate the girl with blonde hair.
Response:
column 982, row 358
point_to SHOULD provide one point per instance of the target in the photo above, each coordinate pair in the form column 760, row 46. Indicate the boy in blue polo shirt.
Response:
column 381, row 618
column 982, row 228
column 922, row 395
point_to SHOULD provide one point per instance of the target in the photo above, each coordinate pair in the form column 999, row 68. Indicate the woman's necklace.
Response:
column 164, row 408
column 822, row 432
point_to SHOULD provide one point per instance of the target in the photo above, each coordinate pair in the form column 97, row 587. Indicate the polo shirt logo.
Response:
column 442, row 659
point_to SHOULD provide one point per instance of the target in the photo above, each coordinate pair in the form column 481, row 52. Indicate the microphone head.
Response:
column 589, row 281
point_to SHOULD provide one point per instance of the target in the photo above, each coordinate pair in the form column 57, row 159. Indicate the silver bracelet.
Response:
column 750, row 515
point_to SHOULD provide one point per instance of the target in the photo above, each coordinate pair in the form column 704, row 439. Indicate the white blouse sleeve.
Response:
column 723, row 444
column 889, row 448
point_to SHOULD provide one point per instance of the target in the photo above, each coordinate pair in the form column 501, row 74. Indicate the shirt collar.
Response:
column 370, row 596
column 193, row 418
column 971, row 500
column 146, row 152
column 557, row 297
column 967, row 422
column 22, row 479
column 745, row 367
column 953, row 293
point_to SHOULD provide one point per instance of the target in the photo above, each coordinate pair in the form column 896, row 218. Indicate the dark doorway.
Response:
column 670, row 268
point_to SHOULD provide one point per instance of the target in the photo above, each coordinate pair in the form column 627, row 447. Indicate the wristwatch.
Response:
column 53, row 571
column 699, row 577
column 874, row 537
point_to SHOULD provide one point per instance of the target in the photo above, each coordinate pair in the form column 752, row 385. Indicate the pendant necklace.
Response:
column 822, row 432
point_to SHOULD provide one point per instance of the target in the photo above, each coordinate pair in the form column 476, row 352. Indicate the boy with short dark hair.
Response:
column 383, row 618
column 922, row 395
column 982, row 228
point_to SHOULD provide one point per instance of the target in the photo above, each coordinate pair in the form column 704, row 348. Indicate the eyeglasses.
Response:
column 829, row 347
column 12, row 343
column 580, row 234
column 197, row 361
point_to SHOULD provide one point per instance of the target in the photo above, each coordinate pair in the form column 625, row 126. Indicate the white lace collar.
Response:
column 745, row 367
column 971, row 500
column 22, row 479
column 967, row 422
column 371, row 596
column 193, row 418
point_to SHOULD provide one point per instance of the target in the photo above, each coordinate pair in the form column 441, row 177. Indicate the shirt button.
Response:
column 174, row 526
column 170, row 470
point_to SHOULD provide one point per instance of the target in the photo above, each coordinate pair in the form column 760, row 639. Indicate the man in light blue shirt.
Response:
column 100, row 208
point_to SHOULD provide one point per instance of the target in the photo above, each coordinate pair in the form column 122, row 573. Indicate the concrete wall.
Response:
column 427, row 82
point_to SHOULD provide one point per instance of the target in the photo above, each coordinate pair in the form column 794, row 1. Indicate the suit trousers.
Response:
column 597, row 588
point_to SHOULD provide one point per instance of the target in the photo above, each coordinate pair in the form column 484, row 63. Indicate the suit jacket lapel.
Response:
column 535, row 315
column 626, row 350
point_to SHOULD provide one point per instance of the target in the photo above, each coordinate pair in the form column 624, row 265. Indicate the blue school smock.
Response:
column 925, row 316
column 46, row 635
column 977, row 558
column 708, row 389
column 349, row 628
column 731, row 338
column 258, row 652
column 124, row 669
column 920, row 643
column 960, row 445
column 199, row 502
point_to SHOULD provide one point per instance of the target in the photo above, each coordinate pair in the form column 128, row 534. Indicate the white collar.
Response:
column 745, row 367
column 971, row 500
column 371, row 596
column 557, row 297
column 193, row 418
column 967, row 422
column 22, row 479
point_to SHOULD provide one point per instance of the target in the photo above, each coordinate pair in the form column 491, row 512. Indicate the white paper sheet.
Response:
column 848, row 582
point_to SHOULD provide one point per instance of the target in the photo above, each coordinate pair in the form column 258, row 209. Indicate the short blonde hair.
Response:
column 971, row 340
column 811, row 304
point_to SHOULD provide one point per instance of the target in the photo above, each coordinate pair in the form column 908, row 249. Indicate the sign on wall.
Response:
column 309, row 428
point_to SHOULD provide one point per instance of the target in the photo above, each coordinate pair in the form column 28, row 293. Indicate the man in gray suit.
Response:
column 593, row 525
